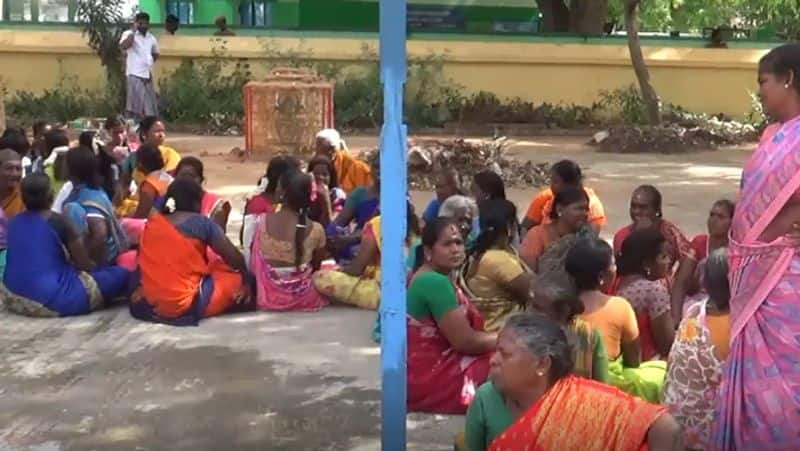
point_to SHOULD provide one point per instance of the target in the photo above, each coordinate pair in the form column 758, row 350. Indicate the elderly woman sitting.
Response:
column 352, row 172
column 556, row 297
column 532, row 368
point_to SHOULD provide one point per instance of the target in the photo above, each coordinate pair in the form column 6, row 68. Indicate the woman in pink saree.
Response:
column 759, row 399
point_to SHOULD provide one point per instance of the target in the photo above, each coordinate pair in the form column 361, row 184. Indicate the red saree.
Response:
column 441, row 380
column 581, row 415
column 679, row 247
column 679, row 244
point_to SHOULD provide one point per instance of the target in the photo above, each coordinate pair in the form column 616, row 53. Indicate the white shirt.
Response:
column 140, row 54
column 61, row 197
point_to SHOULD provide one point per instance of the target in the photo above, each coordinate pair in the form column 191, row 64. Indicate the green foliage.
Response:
column 103, row 26
column 625, row 104
column 64, row 102
column 781, row 15
column 357, row 98
column 695, row 15
column 207, row 92
column 486, row 107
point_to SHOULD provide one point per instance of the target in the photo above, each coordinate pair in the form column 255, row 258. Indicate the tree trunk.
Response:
column 588, row 16
column 555, row 16
column 639, row 65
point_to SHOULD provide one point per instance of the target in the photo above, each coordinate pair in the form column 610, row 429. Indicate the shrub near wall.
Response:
column 207, row 95
column 62, row 103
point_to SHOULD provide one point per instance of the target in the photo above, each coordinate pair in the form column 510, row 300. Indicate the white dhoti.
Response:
column 141, row 97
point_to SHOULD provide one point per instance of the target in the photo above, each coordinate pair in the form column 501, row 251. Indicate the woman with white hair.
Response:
column 447, row 185
column 533, row 370
column 351, row 171
column 463, row 209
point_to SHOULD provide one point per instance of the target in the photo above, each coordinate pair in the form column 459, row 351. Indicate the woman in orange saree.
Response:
column 555, row 410
column 759, row 399
column 179, row 285
column 213, row 205
column 351, row 171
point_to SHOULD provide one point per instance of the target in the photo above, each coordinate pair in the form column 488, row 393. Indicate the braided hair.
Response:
column 297, row 188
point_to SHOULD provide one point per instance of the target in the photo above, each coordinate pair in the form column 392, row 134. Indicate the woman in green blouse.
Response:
column 554, row 295
column 448, row 349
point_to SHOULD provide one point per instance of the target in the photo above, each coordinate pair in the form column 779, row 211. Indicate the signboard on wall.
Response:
column 450, row 15
column 435, row 18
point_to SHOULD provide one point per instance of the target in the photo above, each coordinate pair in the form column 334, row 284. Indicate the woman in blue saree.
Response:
column 90, row 210
column 49, row 272
column 361, row 206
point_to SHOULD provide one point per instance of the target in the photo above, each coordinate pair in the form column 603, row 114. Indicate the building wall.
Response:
column 699, row 79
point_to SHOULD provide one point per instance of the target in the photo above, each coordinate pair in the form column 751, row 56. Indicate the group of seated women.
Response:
column 647, row 316
column 131, row 221
column 517, row 324
column 86, row 225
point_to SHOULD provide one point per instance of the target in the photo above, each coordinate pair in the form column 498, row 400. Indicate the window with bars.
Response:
column 255, row 13
column 183, row 9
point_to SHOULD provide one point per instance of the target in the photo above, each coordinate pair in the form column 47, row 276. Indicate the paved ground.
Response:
column 267, row 381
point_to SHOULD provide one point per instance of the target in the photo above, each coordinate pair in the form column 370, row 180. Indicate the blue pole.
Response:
column 394, row 193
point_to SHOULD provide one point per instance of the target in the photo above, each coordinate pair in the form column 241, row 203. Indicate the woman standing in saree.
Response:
column 180, row 286
column 555, row 410
column 760, row 390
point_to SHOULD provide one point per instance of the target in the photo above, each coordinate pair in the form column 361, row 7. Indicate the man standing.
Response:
column 142, row 52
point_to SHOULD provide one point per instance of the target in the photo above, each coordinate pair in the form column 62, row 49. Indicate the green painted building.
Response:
column 453, row 16
column 470, row 16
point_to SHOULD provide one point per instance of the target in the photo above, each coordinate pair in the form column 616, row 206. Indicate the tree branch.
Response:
column 649, row 95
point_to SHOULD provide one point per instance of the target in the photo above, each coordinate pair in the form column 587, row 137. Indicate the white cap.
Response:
column 331, row 136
